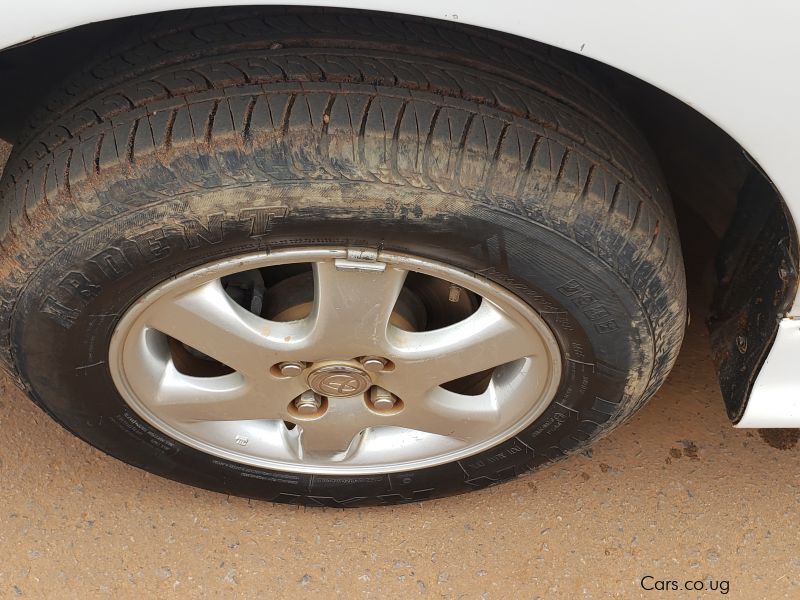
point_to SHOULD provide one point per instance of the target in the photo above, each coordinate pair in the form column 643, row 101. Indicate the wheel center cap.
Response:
column 339, row 381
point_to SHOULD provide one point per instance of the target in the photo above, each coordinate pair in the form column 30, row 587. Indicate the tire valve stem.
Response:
column 455, row 293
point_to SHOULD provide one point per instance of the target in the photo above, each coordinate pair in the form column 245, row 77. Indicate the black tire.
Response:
column 211, row 135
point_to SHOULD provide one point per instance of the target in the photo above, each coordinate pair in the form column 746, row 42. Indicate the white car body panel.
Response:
column 735, row 61
column 774, row 401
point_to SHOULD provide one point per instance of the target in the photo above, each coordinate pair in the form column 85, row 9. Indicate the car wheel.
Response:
column 339, row 268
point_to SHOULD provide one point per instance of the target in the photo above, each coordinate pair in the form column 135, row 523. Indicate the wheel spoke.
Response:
column 446, row 413
column 488, row 338
column 336, row 434
column 226, row 398
column 352, row 308
column 207, row 319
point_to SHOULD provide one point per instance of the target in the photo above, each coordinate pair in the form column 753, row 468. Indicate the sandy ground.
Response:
column 676, row 494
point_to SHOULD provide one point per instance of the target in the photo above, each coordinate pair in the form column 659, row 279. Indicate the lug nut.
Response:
column 308, row 403
column 373, row 364
column 291, row 369
column 381, row 399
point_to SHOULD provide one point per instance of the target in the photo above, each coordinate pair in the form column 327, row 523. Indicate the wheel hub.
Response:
column 339, row 380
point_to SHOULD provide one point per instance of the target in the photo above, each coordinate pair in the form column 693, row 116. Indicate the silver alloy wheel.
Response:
column 242, row 415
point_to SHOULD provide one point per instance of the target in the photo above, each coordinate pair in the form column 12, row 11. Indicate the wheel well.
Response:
column 712, row 181
column 738, row 239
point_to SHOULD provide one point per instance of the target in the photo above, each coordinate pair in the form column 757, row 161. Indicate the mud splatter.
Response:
column 689, row 449
column 605, row 468
column 782, row 439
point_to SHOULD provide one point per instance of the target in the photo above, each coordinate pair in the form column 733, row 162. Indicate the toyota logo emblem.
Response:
column 339, row 381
